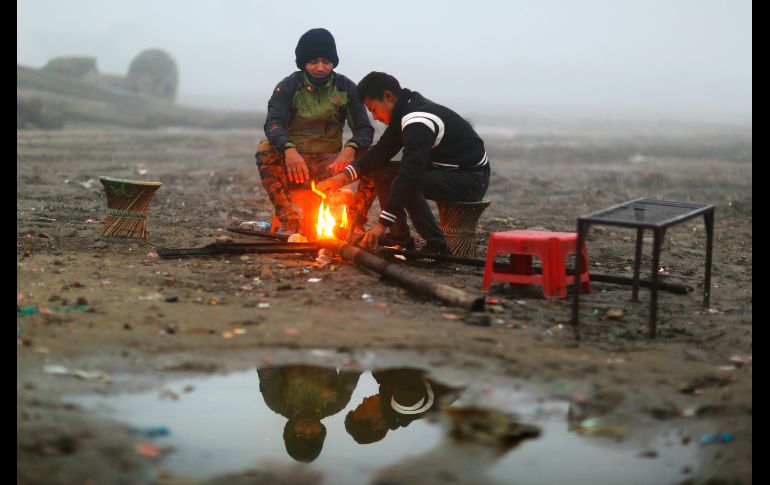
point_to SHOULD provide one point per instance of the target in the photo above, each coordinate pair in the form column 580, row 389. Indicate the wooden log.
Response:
column 394, row 272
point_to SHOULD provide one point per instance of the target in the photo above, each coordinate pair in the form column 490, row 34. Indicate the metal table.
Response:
column 657, row 216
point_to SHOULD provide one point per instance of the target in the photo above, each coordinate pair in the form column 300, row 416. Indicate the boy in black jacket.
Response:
column 443, row 159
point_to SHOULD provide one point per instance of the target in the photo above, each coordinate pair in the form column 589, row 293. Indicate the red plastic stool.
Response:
column 551, row 247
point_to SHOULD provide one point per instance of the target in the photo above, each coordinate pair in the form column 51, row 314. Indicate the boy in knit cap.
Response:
column 305, row 117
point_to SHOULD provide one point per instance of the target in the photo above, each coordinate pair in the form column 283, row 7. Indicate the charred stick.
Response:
column 266, row 248
column 260, row 234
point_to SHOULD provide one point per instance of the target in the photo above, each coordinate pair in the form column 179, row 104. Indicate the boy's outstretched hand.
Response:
column 332, row 183
column 347, row 155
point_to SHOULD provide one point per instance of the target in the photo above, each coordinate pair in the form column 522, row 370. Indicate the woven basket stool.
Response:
column 127, row 204
column 458, row 220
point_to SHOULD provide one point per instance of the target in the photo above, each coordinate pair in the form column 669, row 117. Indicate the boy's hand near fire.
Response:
column 331, row 184
column 372, row 237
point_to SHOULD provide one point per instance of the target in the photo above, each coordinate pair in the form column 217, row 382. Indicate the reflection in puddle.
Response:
column 396, row 423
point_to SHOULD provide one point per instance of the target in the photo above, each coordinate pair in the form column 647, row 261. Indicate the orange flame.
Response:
column 326, row 223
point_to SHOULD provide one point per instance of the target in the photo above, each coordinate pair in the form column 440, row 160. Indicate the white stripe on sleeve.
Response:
column 422, row 114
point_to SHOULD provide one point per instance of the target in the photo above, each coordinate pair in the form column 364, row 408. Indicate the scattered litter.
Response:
column 152, row 432
column 42, row 350
column 152, row 255
column 60, row 370
column 263, row 305
column 306, row 270
column 171, row 297
column 290, row 331
column 227, row 335
column 245, row 258
column 450, row 316
column 27, row 310
column 591, row 426
column 491, row 301
column 147, row 449
column 297, row 238
column 239, row 331
column 321, row 353
column 267, row 273
column 687, row 412
column 19, row 297
column 400, row 256
column 151, row 297
column 87, row 184
column 595, row 311
column 324, row 257
column 708, row 439
column 90, row 221
column 366, row 296
column 57, row 370
column 170, row 394
column 613, row 314
column 257, row 226
column 663, row 271
column 313, row 280
column 91, row 375
column 741, row 359
column 520, row 302
column 381, row 304
column 212, row 301
column 560, row 386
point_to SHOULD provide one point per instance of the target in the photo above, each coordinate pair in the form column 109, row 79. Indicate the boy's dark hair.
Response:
column 362, row 430
column 303, row 448
column 374, row 85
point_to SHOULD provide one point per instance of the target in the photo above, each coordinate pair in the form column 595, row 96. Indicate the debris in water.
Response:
column 708, row 439
column 147, row 449
column 488, row 427
column 152, row 432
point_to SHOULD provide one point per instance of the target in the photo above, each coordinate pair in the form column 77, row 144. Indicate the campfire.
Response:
column 326, row 222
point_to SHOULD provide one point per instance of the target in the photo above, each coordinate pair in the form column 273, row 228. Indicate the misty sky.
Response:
column 688, row 59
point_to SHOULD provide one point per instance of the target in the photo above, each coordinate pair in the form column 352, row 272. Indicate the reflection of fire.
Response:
column 326, row 222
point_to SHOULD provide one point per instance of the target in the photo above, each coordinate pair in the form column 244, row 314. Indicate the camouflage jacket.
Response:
column 311, row 118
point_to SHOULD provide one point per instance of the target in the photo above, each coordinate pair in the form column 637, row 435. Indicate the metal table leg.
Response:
column 637, row 264
column 656, row 247
column 708, row 220
column 582, row 231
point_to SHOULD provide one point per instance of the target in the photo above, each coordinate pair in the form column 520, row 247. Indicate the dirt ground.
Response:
column 210, row 182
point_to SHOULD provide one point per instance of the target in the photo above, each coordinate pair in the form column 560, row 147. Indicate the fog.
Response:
column 682, row 59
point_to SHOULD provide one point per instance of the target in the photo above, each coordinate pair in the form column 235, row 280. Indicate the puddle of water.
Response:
column 320, row 415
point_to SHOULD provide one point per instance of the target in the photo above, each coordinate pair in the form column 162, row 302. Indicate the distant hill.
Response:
column 51, row 99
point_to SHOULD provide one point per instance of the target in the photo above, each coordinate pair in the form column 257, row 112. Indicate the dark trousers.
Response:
column 449, row 185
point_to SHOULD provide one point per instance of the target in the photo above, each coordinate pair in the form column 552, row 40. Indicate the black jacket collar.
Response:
column 400, row 107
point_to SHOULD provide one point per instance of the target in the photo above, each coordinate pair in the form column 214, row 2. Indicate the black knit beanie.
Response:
column 313, row 44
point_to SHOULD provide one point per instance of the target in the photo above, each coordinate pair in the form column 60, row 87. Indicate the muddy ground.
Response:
column 210, row 182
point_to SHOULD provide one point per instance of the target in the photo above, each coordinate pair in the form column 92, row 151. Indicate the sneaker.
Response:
column 390, row 241
column 439, row 249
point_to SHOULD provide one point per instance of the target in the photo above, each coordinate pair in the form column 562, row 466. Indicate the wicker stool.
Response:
column 458, row 220
column 127, row 204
